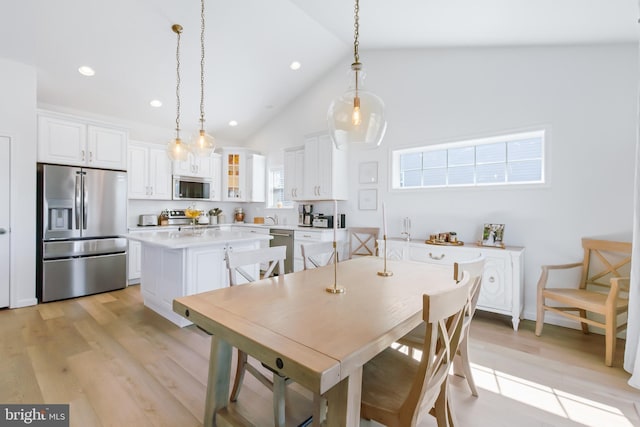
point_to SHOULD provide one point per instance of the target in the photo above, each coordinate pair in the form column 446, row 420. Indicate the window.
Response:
column 500, row 160
column 276, row 196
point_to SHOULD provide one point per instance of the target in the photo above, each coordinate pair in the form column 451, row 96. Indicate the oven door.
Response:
column 191, row 188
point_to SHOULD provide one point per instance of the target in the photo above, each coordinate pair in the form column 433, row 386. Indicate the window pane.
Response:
column 461, row 156
column 435, row 159
column 434, row 177
column 411, row 161
column 525, row 171
column 491, row 153
column 491, row 173
column 411, row 179
column 525, row 149
column 461, row 175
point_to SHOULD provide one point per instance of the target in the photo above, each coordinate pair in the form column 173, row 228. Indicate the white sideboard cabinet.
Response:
column 503, row 280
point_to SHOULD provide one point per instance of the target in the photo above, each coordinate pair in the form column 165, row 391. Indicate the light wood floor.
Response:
column 119, row 364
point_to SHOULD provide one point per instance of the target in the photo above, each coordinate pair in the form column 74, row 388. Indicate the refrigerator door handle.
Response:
column 77, row 200
column 85, row 206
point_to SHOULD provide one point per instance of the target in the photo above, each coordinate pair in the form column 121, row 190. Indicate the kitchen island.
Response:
column 186, row 262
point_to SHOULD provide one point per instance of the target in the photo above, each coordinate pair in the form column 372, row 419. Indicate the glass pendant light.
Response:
column 356, row 118
column 203, row 144
column 176, row 149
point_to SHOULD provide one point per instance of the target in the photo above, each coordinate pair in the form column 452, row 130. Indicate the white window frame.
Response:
column 270, row 203
column 506, row 137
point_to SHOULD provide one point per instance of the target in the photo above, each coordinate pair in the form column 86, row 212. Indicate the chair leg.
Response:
column 319, row 410
column 279, row 386
column 540, row 317
column 463, row 349
column 441, row 407
column 610, row 339
column 585, row 327
column 240, row 369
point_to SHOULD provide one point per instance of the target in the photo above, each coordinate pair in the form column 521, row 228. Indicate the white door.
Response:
column 5, row 185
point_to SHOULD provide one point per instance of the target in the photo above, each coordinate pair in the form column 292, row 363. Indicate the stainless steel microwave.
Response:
column 191, row 188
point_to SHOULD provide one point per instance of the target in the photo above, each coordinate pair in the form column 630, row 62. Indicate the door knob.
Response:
column 3, row 231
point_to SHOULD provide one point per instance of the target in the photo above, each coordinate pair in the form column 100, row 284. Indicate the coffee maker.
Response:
column 305, row 215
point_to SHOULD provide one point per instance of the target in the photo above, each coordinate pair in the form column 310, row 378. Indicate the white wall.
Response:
column 18, row 121
column 585, row 96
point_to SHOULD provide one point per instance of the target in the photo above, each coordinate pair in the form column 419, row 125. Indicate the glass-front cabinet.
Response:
column 243, row 175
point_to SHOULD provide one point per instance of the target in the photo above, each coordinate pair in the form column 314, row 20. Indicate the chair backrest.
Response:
column 317, row 254
column 474, row 268
column 443, row 315
column 363, row 241
column 237, row 260
column 604, row 260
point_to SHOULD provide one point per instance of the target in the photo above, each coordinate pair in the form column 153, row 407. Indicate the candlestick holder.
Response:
column 335, row 289
column 385, row 272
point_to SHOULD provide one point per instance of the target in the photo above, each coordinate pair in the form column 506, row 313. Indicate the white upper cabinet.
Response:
column 294, row 173
column 325, row 169
column 243, row 175
column 201, row 167
column 149, row 174
column 70, row 141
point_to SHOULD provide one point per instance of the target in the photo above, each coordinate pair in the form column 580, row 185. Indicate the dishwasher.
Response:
column 283, row 237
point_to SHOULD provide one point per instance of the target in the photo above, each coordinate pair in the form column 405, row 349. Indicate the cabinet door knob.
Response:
column 91, row 156
column 82, row 154
column 437, row 258
column 3, row 231
column 492, row 279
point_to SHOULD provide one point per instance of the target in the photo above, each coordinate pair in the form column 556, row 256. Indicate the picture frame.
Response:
column 493, row 235
column 368, row 173
column 368, row 199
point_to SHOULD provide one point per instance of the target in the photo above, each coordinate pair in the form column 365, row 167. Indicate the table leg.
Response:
column 218, row 380
column 343, row 401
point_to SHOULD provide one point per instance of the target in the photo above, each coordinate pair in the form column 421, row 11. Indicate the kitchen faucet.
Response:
column 273, row 218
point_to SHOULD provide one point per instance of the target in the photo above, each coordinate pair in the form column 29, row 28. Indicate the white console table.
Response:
column 503, row 280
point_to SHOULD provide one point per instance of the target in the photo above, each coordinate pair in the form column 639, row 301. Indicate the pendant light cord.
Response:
column 178, row 31
column 356, row 32
column 202, row 65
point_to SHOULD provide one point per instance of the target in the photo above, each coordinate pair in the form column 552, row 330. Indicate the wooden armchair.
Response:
column 601, row 290
column 363, row 241
column 397, row 389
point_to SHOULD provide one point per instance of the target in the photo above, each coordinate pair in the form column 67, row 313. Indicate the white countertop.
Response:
column 187, row 238
column 153, row 228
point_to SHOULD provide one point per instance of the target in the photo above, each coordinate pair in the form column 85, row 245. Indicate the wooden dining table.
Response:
column 318, row 339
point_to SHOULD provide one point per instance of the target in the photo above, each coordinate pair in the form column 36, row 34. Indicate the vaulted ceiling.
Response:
column 251, row 43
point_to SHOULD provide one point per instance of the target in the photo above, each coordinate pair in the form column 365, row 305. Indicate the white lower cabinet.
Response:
column 315, row 235
column 134, row 260
column 503, row 279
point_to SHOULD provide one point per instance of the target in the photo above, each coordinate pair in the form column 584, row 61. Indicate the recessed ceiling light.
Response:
column 295, row 65
column 156, row 103
column 233, row 123
column 86, row 71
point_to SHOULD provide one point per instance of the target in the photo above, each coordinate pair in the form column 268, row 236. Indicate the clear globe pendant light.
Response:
column 202, row 144
column 356, row 118
column 176, row 149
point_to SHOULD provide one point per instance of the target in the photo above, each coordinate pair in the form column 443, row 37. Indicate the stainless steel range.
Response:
column 178, row 217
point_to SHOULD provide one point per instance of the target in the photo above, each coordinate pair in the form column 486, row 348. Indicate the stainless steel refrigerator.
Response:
column 81, row 214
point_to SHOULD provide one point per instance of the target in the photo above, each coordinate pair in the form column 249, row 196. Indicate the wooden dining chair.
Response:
column 238, row 264
column 316, row 255
column 602, row 290
column 461, row 362
column 363, row 241
column 396, row 389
